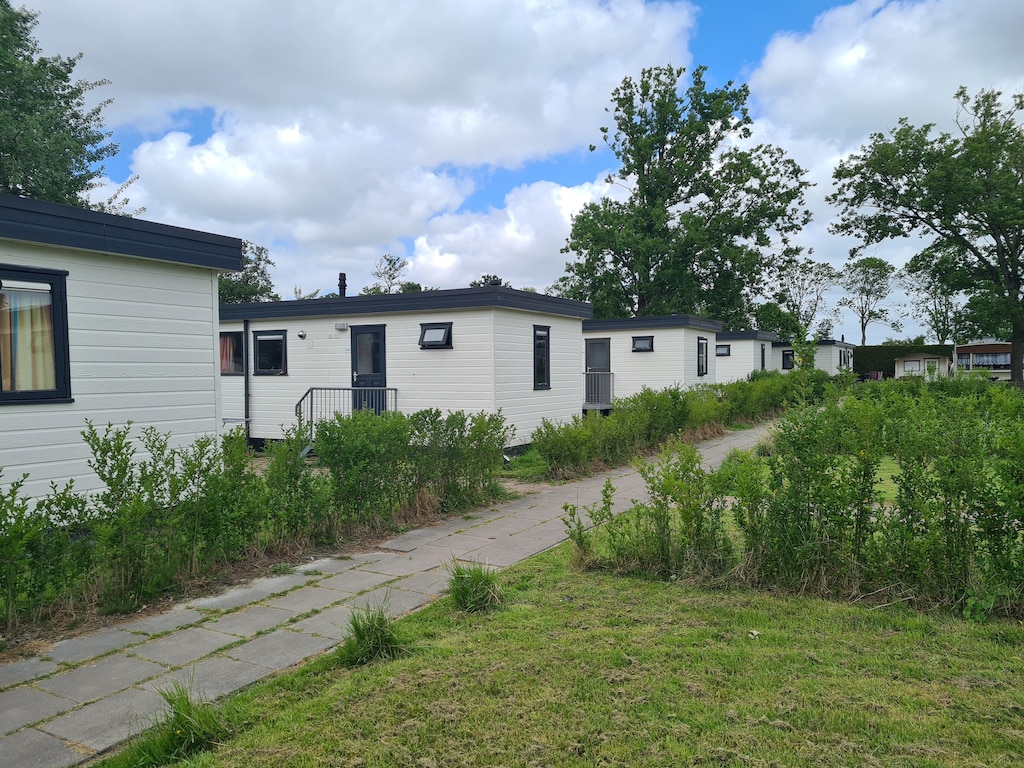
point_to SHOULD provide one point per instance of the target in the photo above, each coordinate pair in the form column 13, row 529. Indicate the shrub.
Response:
column 473, row 587
column 372, row 637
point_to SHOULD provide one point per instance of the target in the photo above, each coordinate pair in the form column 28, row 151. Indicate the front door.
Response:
column 369, row 375
column 598, row 358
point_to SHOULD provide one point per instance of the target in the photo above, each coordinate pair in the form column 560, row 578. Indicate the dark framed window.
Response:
column 702, row 356
column 542, row 357
column 996, row 361
column 643, row 343
column 723, row 350
column 269, row 353
column 435, row 335
column 232, row 356
column 34, row 357
column 788, row 359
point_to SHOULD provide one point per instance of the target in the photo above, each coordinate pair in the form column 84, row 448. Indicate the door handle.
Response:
column 355, row 376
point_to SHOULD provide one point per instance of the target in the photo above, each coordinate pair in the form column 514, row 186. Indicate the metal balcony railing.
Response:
column 598, row 390
column 322, row 403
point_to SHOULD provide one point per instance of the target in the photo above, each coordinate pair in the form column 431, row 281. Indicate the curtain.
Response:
column 26, row 341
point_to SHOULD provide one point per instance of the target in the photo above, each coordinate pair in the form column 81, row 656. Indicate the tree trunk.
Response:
column 1017, row 353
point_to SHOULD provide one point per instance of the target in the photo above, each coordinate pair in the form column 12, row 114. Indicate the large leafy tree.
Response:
column 704, row 218
column 934, row 307
column 51, row 144
column 961, row 191
column 868, row 282
column 253, row 282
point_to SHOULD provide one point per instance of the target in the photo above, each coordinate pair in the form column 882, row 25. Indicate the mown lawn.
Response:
column 589, row 669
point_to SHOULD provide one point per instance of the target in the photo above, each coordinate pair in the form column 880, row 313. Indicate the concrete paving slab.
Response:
column 422, row 558
column 156, row 625
column 509, row 551
column 100, row 678
column 25, row 669
column 210, row 678
column 398, row 601
column 249, row 622
column 355, row 581
column 305, row 600
column 330, row 565
column 109, row 721
column 280, row 649
column 24, row 704
column 183, row 647
column 332, row 623
column 34, row 749
column 260, row 589
column 409, row 541
column 431, row 583
column 77, row 649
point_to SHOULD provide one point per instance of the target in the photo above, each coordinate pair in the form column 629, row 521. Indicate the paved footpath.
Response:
column 87, row 694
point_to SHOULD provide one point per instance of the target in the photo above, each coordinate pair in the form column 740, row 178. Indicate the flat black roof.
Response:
column 38, row 221
column 743, row 335
column 645, row 323
column 425, row 301
column 820, row 343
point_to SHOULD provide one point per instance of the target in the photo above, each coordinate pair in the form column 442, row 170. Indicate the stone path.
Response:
column 90, row 693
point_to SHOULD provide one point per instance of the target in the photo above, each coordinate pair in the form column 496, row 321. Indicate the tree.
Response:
column 388, row 271
column 51, row 145
column 253, row 282
column 702, row 215
column 802, row 286
column 964, row 193
column 933, row 306
column 868, row 283
column 489, row 280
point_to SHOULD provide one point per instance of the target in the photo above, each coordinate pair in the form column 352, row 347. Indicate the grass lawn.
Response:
column 588, row 669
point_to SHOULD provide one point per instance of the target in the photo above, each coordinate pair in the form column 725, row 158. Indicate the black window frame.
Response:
column 702, row 356
column 720, row 347
column 258, row 337
column 57, row 280
column 541, row 357
column 445, row 343
column 240, row 335
column 788, row 359
column 643, row 344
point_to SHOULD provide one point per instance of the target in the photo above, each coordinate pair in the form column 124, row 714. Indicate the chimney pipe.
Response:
column 342, row 285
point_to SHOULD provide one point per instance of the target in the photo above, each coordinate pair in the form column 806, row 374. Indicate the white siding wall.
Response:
column 141, row 336
column 672, row 363
column 744, row 357
column 522, row 405
column 490, row 366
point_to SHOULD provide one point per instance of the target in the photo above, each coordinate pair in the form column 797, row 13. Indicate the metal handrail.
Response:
column 322, row 403
column 598, row 389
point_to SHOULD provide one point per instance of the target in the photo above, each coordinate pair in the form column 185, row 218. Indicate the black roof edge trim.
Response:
column 425, row 301
column 38, row 221
column 744, row 335
column 662, row 321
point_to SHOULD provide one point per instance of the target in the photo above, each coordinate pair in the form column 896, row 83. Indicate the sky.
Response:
column 456, row 133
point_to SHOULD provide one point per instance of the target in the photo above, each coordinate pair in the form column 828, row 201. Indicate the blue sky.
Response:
column 455, row 133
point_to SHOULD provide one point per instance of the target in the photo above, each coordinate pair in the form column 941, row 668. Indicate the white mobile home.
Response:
column 927, row 364
column 104, row 318
column 623, row 356
column 740, row 353
column 469, row 349
column 830, row 356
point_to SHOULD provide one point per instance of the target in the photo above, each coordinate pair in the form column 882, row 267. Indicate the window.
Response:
column 723, row 350
column 232, row 360
column 911, row 366
column 845, row 356
column 643, row 343
column 269, row 354
column 435, row 335
column 541, row 357
column 963, row 360
column 34, row 359
column 788, row 359
column 997, row 361
column 702, row 356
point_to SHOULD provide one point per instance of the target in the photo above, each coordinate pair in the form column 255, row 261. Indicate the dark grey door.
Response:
column 369, row 373
column 598, row 358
